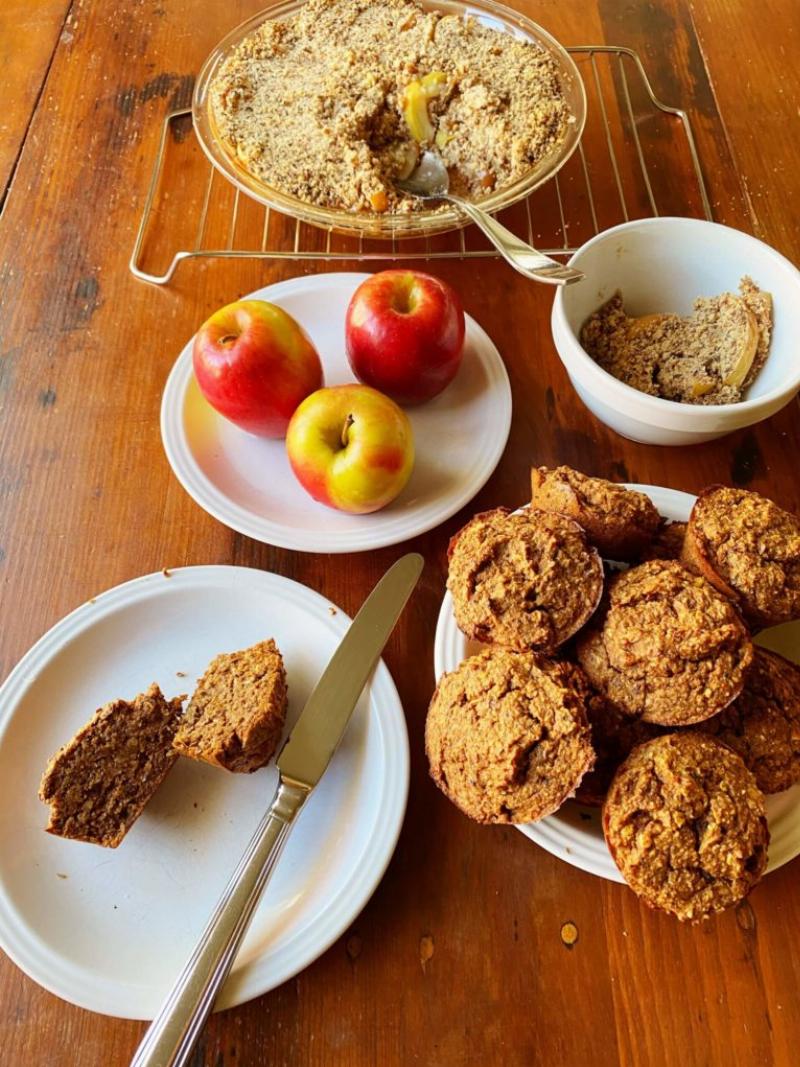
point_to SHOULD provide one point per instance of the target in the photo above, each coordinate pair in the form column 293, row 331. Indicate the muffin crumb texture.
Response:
column 748, row 548
column 667, row 648
column 763, row 724
column 237, row 712
column 709, row 357
column 686, row 825
column 619, row 522
column 98, row 784
column 507, row 736
column 527, row 580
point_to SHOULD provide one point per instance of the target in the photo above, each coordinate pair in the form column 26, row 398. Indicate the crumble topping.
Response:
column 334, row 104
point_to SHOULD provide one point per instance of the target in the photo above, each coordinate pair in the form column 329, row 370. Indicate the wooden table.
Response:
column 459, row 957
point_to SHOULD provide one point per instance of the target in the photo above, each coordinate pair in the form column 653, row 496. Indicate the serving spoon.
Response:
column 430, row 181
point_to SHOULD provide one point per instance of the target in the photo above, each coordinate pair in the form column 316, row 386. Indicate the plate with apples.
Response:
column 337, row 412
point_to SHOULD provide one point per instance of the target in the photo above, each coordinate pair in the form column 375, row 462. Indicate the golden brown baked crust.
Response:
column 507, row 737
column 317, row 104
column 98, row 784
column 236, row 715
column 527, row 580
column 619, row 522
column 748, row 548
column 686, row 824
column 667, row 646
column 763, row 724
column 667, row 544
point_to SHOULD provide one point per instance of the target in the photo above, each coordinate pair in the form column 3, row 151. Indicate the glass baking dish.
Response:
column 413, row 224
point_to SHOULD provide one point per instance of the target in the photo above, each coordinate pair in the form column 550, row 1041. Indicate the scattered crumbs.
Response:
column 60, row 875
column 194, row 803
column 93, row 600
column 180, row 674
column 166, row 572
column 114, row 906
column 332, row 610
column 624, row 933
column 568, row 850
column 425, row 950
column 569, row 934
column 585, row 816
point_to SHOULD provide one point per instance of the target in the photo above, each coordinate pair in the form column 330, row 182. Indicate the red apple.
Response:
column 405, row 334
column 254, row 364
column 351, row 448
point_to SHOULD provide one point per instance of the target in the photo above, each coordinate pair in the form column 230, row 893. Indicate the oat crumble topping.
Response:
column 335, row 103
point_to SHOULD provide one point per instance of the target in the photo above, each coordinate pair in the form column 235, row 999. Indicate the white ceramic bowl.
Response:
column 663, row 264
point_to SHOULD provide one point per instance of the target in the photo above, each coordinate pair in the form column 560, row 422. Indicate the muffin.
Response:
column 667, row 544
column 685, row 823
column 236, row 715
column 507, row 736
column 527, row 580
column 619, row 522
column 763, row 724
column 98, row 784
column 749, row 549
column 614, row 736
column 668, row 648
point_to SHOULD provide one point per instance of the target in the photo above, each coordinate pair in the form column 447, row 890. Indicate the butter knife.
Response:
column 302, row 762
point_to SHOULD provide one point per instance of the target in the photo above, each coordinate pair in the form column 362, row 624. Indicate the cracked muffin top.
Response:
column 668, row 647
column 527, row 580
column 335, row 103
column 686, row 825
column 507, row 737
column 763, row 724
column 619, row 522
column 749, row 548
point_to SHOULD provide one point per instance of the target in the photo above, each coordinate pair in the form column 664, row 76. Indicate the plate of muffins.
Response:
column 604, row 683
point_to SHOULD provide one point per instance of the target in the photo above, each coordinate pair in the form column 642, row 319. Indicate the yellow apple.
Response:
column 351, row 448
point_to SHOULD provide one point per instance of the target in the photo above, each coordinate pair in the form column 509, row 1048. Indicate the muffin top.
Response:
column 763, row 724
column 507, row 736
column 668, row 648
column 527, row 580
column 686, row 825
column 620, row 522
column 754, row 547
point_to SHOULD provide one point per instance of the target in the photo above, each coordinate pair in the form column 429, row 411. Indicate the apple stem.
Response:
column 228, row 340
column 348, row 422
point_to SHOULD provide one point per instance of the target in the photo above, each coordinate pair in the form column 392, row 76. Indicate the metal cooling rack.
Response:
column 637, row 158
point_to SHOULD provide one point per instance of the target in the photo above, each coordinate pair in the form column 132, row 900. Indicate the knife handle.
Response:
column 172, row 1034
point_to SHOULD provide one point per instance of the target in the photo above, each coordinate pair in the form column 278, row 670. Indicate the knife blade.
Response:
column 302, row 762
column 324, row 718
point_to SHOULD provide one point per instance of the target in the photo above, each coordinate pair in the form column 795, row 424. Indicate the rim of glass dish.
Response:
column 416, row 224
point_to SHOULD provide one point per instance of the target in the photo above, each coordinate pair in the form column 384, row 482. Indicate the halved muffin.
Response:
column 236, row 714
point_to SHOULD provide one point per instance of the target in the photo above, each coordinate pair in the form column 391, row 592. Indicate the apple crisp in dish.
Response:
column 335, row 103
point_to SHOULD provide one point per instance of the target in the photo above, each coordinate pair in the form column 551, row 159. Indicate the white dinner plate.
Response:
column 574, row 833
column 246, row 482
column 109, row 929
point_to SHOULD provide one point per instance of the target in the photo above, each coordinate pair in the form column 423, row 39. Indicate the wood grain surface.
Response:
column 459, row 957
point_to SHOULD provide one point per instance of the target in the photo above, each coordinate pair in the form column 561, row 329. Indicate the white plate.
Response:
column 110, row 929
column 574, row 832
column 246, row 482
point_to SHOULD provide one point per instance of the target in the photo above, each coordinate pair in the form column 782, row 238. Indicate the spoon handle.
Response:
column 517, row 252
